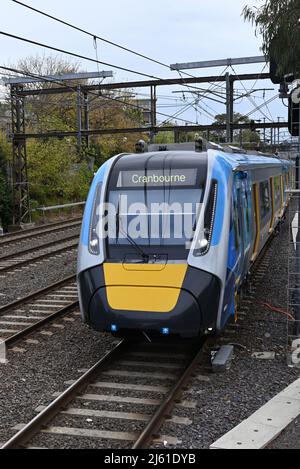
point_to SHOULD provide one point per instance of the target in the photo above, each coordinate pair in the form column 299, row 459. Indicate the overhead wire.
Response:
column 96, row 37
column 252, row 101
column 32, row 75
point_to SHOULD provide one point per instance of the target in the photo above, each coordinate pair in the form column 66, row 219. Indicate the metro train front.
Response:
column 154, row 244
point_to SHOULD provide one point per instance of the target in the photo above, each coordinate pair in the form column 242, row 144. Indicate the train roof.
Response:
column 235, row 160
column 245, row 160
column 233, row 156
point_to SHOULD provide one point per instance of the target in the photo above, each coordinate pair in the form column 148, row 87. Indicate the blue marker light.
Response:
column 166, row 331
column 114, row 328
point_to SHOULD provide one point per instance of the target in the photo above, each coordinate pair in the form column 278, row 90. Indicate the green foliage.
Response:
column 277, row 22
column 164, row 137
column 237, row 119
column 183, row 137
column 5, row 192
column 246, row 135
column 55, row 172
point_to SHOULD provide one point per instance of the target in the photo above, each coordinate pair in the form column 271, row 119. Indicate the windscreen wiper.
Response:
column 141, row 252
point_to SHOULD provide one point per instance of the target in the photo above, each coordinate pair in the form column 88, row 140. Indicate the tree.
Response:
column 246, row 136
column 57, row 172
column 115, row 110
column 5, row 193
column 278, row 23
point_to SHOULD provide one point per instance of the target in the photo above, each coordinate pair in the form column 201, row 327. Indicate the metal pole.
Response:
column 79, row 119
column 271, row 136
column 21, row 196
column 153, row 113
column 86, row 118
column 229, row 108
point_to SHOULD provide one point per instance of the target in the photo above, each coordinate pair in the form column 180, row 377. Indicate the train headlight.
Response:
column 204, row 242
column 94, row 235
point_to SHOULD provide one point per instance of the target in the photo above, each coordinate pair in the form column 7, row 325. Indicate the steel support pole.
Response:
column 79, row 119
column 21, row 196
column 153, row 113
column 229, row 108
column 176, row 136
column 86, row 118
column 271, row 136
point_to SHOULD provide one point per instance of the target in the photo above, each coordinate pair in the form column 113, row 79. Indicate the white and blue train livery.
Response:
column 169, row 237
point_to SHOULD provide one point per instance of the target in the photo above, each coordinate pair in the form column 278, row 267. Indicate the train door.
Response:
column 237, row 243
column 272, row 205
column 239, row 194
column 256, row 212
column 282, row 196
column 243, row 222
column 244, row 206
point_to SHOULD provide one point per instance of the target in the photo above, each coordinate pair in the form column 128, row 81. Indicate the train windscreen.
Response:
column 153, row 205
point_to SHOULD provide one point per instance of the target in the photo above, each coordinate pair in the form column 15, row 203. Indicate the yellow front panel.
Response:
column 144, row 287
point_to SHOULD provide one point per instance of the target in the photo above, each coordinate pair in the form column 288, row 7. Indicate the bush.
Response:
column 5, row 191
column 56, row 173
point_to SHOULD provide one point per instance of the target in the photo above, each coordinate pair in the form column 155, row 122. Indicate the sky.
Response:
column 170, row 31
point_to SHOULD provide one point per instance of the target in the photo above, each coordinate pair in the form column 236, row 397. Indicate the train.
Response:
column 170, row 234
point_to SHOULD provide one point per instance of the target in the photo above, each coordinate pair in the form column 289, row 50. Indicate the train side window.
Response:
column 247, row 211
column 277, row 190
column 236, row 225
column 265, row 199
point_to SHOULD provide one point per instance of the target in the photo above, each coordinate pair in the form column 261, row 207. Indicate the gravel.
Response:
column 290, row 439
column 229, row 398
column 16, row 284
column 15, row 247
column 30, row 379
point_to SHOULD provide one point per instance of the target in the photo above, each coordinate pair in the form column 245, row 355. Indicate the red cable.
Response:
column 278, row 310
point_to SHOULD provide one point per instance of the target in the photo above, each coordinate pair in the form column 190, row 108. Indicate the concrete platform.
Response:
column 267, row 424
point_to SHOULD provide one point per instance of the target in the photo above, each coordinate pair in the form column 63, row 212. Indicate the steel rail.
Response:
column 38, row 258
column 40, row 247
column 12, row 340
column 48, row 414
column 19, row 235
column 164, row 410
column 36, row 294
column 43, row 419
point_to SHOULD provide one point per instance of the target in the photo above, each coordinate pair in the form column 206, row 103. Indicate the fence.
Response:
column 45, row 210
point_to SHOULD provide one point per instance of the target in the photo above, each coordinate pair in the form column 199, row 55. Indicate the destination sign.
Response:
column 158, row 178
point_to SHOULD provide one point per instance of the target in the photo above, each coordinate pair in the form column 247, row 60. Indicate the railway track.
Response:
column 38, row 231
column 33, row 255
column 96, row 411
column 13, row 247
column 21, row 318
